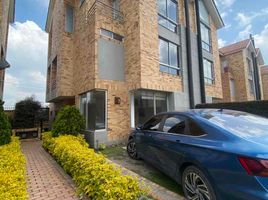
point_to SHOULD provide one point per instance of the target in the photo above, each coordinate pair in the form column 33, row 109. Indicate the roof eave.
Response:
column 11, row 17
column 214, row 13
column 49, row 15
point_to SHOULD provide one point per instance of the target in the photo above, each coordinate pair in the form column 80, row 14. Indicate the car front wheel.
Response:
column 132, row 150
column 196, row 186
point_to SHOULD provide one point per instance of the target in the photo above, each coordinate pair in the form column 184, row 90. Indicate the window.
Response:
column 167, row 14
column 174, row 124
column 194, row 128
column 204, row 16
column 81, row 2
column 153, row 124
column 250, row 69
column 208, row 71
column 206, row 37
column 112, row 35
column 168, row 57
column 147, row 104
column 69, row 19
column 205, row 29
column 93, row 108
column 251, row 86
column 232, row 89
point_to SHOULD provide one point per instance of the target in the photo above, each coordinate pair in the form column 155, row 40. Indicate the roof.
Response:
column 264, row 69
column 11, row 16
column 233, row 48
column 214, row 13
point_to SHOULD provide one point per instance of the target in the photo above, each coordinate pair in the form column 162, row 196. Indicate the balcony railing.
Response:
column 101, row 8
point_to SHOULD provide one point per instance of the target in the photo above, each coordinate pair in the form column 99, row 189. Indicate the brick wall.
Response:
column 264, row 77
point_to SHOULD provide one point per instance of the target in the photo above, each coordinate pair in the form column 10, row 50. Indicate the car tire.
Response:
column 132, row 150
column 195, row 185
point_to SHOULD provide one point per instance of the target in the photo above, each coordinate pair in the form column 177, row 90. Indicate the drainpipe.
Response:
column 200, row 53
column 189, row 55
column 256, row 71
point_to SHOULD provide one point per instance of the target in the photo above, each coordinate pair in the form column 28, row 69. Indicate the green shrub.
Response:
column 92, row 174
column 69, row 121
column 5, row 129
column 12, row 172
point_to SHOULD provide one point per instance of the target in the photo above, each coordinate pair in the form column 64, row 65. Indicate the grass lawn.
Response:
column 119, row 155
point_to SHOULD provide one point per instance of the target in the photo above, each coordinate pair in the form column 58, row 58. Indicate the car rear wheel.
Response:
column 132, row 150
column 196, row 186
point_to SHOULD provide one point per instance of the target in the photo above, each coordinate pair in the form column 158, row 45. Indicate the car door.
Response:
column 144, row 138
column 169, row 143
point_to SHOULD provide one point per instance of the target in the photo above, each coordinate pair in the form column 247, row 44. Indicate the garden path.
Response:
column 46, row 180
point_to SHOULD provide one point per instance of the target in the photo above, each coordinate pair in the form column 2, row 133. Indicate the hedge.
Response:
column 12, row 172
column 254, row 107
column 93, row 175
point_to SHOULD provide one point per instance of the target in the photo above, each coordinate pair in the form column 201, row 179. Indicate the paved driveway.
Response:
column 46, row 180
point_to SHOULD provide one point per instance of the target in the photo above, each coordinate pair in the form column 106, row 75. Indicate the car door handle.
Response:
column 178, row 141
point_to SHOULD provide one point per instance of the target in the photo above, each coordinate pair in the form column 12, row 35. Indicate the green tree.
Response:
column 26, row 113
column 5, row 128
column 68, row 121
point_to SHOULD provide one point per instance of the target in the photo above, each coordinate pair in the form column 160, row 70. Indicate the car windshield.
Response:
column 239, row 123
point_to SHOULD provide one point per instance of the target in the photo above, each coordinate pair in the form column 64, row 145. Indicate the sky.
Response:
column 27, row 45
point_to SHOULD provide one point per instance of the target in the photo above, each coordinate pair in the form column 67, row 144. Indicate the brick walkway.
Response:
column 46, row 180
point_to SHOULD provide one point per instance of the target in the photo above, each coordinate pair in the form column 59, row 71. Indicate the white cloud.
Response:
column 246, row 19
column 225, row 3
column 243, row 19
column 221, row 43
column 37, row 77
column 261, row 42
column 27, row 54
column 245, row 33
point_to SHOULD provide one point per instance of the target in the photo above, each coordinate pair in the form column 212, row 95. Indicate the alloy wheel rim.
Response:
column 132, row 149
column 196, row 188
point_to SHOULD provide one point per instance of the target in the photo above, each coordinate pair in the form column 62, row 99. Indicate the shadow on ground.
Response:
column 119, row 155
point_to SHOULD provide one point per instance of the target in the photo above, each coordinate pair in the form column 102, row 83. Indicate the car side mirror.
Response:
column 139, row 127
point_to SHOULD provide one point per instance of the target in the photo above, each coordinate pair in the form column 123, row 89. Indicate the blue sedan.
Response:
column 213, row 154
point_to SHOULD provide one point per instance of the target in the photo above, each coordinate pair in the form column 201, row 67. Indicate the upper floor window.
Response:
column 206, row 37
column 167, row 14
column 204, row 16
column 112, row 35
column 208, row 71
column 69, row 19
column 250, row 69
column 168, row 56
column 205, row 29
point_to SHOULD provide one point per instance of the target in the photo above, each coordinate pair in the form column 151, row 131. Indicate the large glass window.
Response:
column 206, row 40
column 167, row 14
column 168, row 57
column 93, row 108
column 69, row 19
column 208, row 71
column 204, row 16
column 147, row 104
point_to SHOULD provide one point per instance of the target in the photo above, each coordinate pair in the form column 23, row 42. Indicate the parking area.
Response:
column 119, row 156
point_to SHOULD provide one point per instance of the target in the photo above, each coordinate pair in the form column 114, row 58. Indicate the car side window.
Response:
column 174, row 124
column 195, row 129
column 153, row 124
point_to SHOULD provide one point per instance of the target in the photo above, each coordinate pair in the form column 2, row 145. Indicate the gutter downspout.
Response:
column 256, row 77
column 200, row 53
column 189, row 55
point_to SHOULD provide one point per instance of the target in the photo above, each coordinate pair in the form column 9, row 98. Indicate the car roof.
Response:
column 201, row 112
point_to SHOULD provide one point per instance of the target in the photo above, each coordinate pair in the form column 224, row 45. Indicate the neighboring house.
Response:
column 122, row 61
column 264, row 78
column 7, row 13
column 241, row 63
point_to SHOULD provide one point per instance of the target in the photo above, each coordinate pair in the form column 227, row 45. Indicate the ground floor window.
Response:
column 93, row 108
column 147, row 104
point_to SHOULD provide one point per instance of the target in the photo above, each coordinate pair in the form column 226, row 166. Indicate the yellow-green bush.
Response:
column 92, row 174
column 12, row 172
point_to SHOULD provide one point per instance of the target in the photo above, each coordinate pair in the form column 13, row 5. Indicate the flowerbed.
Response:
column 92, row 174
column 12, row 172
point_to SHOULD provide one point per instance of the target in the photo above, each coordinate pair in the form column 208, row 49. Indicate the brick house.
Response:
column 264, row 78
column 7, row 12
column 241, row 63
column 122, row 61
